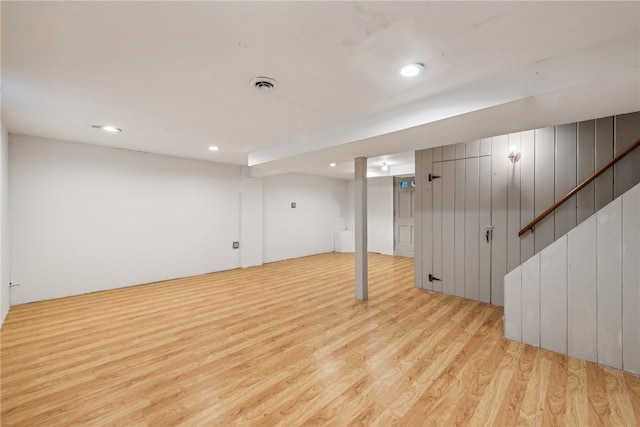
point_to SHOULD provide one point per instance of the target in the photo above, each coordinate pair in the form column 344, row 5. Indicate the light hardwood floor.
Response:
column 287, row 344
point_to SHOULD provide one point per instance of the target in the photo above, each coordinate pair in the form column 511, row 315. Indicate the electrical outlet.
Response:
column 293, row 205
column 236, row 245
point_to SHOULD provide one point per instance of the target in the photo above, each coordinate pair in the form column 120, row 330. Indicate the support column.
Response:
column 362, row 271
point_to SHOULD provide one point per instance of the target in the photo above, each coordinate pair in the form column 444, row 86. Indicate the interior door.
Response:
column 403, row 217
column 461, row 226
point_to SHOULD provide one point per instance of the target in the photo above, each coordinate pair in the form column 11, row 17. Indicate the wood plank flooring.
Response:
column 287, row 344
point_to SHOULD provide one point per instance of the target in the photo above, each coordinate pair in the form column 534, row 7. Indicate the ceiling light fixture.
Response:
column 333, row 165
column 213, row 148
column 385, row 167
column 107, row 128
column 411, row 70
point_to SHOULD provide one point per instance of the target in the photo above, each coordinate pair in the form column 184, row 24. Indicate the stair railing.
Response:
column 579, row 187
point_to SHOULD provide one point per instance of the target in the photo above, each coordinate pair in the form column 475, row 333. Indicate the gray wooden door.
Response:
column 404, row 216
column 461, row 222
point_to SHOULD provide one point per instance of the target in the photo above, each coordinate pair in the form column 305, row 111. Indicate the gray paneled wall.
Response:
column 565, row 177
column 543, row 178
column 631, row 280
column 513, row 202
column 604, row 153
column 586, row 157
column 609, row 283
column 553, row 161
column 581, row 292
column 458, row 218
column 437, row 219
column 499, row 175
column 527, row 193
column 627, row 171
column 581, row 295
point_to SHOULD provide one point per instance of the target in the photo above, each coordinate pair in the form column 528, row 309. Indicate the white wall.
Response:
column 5, row 300
column 251, row 223
column 321, row 205
column 379, row 214
column 88, row 218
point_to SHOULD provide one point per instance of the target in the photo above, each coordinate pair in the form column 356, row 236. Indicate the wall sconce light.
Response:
column 514, row 154
column 385, row 167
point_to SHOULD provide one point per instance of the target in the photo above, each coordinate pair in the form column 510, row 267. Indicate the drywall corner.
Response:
column 5, row 297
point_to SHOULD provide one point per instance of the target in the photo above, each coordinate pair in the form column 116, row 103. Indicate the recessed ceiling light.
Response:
column 411, row 70
column 213, row 148
column 107, row 128
column 333, row 165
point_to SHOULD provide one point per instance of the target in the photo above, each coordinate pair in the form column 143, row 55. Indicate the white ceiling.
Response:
column 175, row 75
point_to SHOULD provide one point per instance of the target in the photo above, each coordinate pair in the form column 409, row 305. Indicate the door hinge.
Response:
column 432, row 177
column 432, row 278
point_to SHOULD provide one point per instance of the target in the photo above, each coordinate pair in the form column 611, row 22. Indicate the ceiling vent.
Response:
column 263, row 84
